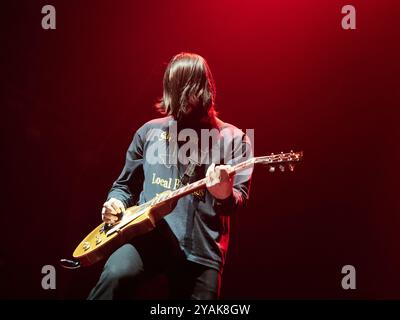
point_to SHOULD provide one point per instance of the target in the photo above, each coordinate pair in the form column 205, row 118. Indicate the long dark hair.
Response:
column 188, row 84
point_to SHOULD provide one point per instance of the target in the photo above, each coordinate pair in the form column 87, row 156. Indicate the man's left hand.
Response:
column 218, row 181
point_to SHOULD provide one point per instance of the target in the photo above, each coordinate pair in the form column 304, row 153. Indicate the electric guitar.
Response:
column 140, row 219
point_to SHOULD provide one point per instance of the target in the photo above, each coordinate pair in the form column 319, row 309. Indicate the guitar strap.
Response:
column 189, row 172
column 191, row 168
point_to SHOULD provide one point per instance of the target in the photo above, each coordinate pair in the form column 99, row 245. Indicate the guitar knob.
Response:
column 291, row 167
column 282, row 168
column 271, row 169
column 86, row 246
column 98, row 239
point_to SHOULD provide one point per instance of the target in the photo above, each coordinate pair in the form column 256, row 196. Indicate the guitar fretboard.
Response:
column 199, row 184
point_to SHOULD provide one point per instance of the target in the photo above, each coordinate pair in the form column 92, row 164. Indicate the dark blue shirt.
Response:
column 199, row 221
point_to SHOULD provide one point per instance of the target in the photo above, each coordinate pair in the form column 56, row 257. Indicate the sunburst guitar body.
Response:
column 136, row 220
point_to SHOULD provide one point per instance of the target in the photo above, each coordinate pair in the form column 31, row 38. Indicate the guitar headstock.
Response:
column 280, row 160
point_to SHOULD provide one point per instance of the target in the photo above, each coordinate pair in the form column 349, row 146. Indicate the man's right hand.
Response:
column 112, row 211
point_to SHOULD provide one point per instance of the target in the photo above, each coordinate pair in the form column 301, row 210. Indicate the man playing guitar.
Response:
column 189, row 245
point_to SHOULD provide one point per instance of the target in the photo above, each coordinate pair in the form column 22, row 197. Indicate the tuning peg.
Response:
column 270, row 159
column 282, row 168
column 271, row 169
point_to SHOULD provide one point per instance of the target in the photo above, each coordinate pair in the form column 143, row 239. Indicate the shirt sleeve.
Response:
column 129, row 184
column 241, row 182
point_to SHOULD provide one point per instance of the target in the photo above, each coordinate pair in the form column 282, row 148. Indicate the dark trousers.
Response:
column 156, row 252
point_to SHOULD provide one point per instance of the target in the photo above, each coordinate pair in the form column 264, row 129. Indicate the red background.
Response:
column 72, row 98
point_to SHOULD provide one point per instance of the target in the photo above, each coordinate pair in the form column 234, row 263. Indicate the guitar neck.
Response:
column 279, row 159
column 200, row 184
